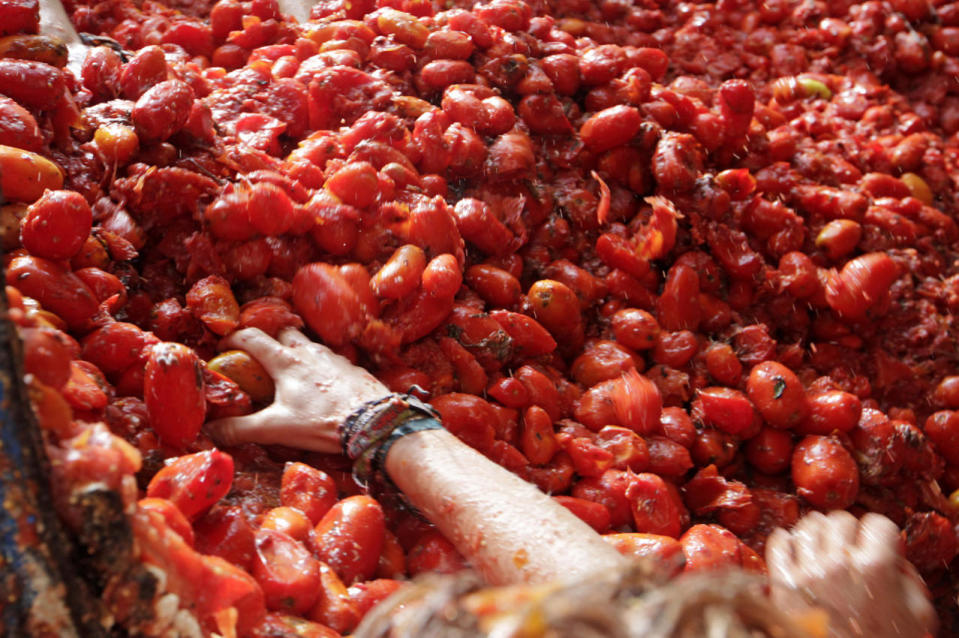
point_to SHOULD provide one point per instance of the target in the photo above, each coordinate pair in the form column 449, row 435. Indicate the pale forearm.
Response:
column 509, row 530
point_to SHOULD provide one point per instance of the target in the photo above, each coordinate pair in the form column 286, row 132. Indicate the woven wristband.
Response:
column 371, row 430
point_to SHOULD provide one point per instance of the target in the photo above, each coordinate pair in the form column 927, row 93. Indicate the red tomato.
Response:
column 369, row 594
column 288, row 520
column 778, row 394
column 333, row 607
column 56, row 225
column 433, row 553
column 655, row 510
column 711, row 547
column 58, row 290
column 171, row 514
column 825, row 473
column 173, row 391
column 594, row 514
column 46, row 355
column 668, row 551
column 350, row 536
column 831, row 411
column 327, row 303
column 115, row 347
column 287, row 572
column 224, row 531
column 400, row 275
column 194, row 482
column 307, row 489
column 726, row 410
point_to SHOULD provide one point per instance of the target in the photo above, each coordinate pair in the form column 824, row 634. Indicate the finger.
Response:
column 878, row 539
column 292, row 337
column 271, row 354
column 842, row 529
column 781, row 558
column 809, row 539
column 234, row 430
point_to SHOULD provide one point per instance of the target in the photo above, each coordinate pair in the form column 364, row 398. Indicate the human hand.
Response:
column 854, row 570
column 316, row 390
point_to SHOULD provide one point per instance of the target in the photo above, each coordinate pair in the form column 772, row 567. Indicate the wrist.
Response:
column 371, row 431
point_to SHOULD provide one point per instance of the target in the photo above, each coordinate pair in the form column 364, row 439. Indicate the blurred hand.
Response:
column 316, row 390
column 855, row 571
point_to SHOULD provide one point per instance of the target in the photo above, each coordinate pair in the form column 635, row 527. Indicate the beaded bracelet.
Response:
column 370, row 432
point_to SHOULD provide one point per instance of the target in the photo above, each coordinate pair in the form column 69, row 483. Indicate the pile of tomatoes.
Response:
column 690, row 268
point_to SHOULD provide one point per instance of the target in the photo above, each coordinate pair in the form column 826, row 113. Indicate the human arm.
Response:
column 510, row 531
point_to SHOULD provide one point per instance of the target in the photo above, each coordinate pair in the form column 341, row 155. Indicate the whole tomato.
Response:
column 173, row 391
column 349, row 538
column 287, row 572
column 327, row 302
column 825, row 473
column 56, row 225
column 194, row 482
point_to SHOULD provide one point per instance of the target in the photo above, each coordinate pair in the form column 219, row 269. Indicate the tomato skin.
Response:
column 610, row 127
column 726, row 409
column 594, row 514
column 269, row 314
column 270, row 209
column 530, row 338
column 667, row 457
column 601, row 361
column 211, row 301
column 225, row 585
column 556, row 307
column 595, row 408
column 327, row 303
column 307, row 489
column 115, row 347
column 194, row 482
column 665, row 549
column 350, row 536
column 710, row 547
column 825, row 473
column 831, row 411
column 174, row 393
column 277, row 624
column 860, row 285
column 355, row 184
column 46, row 355
column 499, row 288
column 162, row 110
column 369, row 594
column 171, row 514
column 288, row 520
column 58, row 290
column 654, row 508
column 770, row 451
column 469, row 417
column 224, row 531
column 333, row 606
column 634, row 328
column 778, row 394
column 56, row 225
column 678, row 306
column 241, row 368
column 400, row 275
column 942, row 428
column 287, row 572
column 434, row 553
column 481, row 227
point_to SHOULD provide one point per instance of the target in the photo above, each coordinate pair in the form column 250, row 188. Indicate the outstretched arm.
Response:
column 509, row 530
